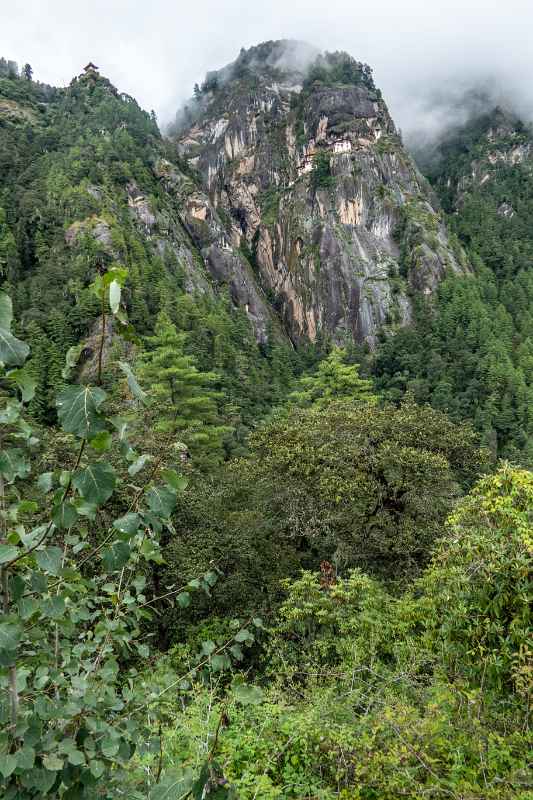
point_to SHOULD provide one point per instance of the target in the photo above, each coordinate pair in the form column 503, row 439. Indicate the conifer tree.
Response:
column 37, row 367
column 333, row 380
column 59, row 340
column 8, row 249
column 185, row 402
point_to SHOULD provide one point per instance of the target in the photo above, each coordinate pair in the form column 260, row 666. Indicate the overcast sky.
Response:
column 157, row 49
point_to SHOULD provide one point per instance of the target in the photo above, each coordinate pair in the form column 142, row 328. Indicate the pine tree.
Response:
column 59, row 340
column 333, row 380
column 38, row 368
column 185, row 404
column 9, row 261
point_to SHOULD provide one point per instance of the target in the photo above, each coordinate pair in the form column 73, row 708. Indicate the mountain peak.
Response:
column 305, row 180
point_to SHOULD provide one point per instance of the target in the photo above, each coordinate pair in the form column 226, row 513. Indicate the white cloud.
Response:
column 157, row 50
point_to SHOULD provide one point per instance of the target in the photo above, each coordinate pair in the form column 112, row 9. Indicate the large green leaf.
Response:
column 53, row 762
column 128, row 524
column 7, row 553
column 116, row 556
column 40, row 779
column 25, row 382
column 161, row 501
column 13, row 464
column 45, row 482
column 8, row 764
column 248, row 695
column 78, row 410
column 96, row 482
column 50, row 559
column 13, row 351
column 114, row 296
column 27, row 607
column 53, row 607
column 135, row 389
column 71, row 359
column 10, row 633
column 173, row 787
column 25, row 757
column 176, row 481
column 64, row 514
column 97, row 768
column 76, row 758
column 101, row 442
column 184, row 599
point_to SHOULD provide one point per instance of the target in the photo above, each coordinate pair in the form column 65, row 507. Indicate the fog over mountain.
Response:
column 424, row 55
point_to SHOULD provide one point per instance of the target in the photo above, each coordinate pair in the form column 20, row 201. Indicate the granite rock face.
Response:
column 305, row 198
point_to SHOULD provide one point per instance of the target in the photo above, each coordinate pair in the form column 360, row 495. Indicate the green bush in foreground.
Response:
column 373, row 697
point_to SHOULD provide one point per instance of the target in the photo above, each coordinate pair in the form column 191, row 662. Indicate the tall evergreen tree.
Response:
column 333, row 380
column 38, row 368
column 185, row 402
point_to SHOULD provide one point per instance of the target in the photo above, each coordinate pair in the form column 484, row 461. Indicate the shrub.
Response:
column 480, row 583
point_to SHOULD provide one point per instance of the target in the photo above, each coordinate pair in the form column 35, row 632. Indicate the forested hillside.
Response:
column 82, row 191
column 471, row 353
column 266, row 427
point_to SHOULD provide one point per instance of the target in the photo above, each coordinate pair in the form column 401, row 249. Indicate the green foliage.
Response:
column 349, row 482
column 8, row 248
column 329, row 622
column 371, row 485
column 219, row 523
column 331, row 69
column 469, row 352
column 13, row 351
column 321, row 177
column 463, row 357
column 480, row 584
column 185, row 403
column 366, row 695
column 69, row 167
column 269, row 203
column 333, row 380
column 358, row 691
column 73, row 607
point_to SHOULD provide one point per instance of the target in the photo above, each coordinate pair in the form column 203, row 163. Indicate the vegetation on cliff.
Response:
column 470, row 352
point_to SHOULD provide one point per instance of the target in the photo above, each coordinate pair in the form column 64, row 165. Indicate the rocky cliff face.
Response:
column 307, row 199
column 286, row 182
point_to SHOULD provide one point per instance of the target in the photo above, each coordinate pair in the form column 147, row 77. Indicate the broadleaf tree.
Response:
column 73, row 602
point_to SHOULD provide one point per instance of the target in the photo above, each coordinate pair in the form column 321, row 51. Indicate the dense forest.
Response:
column 233, row 566
column 471, row 353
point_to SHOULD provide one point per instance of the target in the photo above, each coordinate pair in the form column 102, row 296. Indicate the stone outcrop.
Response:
column 99, row 229
column 308, row 198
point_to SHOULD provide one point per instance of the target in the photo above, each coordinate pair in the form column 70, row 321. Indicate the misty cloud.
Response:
column 424, row 54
